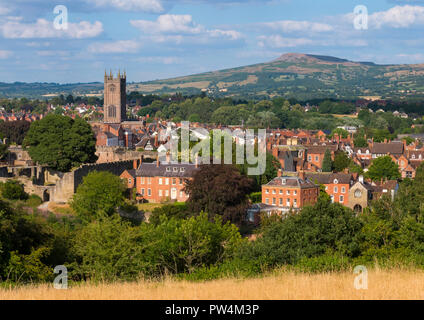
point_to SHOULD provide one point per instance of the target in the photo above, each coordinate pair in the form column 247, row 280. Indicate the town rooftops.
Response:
column 176, row 170
column 330, row 178
column 385, row 148
column 291, row 182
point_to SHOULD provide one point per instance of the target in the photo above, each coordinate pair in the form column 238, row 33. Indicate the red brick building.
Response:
column 160, row 181
column 290, row 192
column 337, row 185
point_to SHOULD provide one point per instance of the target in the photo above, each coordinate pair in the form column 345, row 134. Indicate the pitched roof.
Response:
column 385, row 148
column 291, row 182
column 177, row 170
column 328, row 178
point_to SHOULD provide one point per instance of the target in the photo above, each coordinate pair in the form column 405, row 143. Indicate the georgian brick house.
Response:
column 160, row 181
column 290, row 192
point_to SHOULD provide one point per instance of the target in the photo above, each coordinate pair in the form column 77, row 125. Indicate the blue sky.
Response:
column 155, row 39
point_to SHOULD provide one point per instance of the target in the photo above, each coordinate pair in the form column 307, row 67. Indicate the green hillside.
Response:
column 301, row 76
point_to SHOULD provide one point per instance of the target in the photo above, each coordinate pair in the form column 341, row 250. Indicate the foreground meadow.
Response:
column 395, row 284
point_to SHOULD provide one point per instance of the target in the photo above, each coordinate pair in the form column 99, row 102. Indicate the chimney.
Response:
column 135, row 164
column 385, row 140
column 302, row 175
column 361, row 179
column 196, row 161
column 157, row 161
column 279, row 172
column 168, row 157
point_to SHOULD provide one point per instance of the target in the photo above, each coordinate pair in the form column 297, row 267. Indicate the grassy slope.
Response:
column 395, row 284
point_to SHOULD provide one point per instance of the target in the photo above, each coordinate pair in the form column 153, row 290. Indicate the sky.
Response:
column 158, row 39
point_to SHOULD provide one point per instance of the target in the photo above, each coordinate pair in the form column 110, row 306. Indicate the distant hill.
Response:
column 303, row 76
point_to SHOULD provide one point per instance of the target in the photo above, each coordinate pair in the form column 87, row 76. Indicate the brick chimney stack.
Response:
column 302, row 175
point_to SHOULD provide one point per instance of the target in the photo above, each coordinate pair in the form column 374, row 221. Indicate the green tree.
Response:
column 327, row 163
column 13, row 190
column 219, row 190
column 100, row 193
column 341, row 161
column 360, row 142
column 61, row 142
column 383, row 168
column 316, row 230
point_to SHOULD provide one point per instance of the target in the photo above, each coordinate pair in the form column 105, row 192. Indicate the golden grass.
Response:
column 285, row 285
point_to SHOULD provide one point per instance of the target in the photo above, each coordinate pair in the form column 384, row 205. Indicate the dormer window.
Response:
column 284, row 181
column 182, row 169
column 175, row 169
column 413, row 156
column 336, row 181
column 168, row 169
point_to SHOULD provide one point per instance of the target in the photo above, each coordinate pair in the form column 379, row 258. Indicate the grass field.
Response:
column 395, row 284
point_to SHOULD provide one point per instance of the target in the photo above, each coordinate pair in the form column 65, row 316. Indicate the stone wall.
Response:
column 65, row 188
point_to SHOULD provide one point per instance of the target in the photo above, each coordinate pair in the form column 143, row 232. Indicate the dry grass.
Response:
column 381, row 285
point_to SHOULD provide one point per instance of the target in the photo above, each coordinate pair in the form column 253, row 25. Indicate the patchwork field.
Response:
column 394, row 284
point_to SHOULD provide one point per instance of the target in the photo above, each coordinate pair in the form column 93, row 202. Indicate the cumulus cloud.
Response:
column 44, row 29
column 121, row 46
column 169, row 23
column 177, row 28
column 398, row 17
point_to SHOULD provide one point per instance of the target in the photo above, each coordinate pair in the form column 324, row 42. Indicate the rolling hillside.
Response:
column 302, row 76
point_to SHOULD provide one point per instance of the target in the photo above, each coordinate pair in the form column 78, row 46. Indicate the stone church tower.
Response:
column 115, row 98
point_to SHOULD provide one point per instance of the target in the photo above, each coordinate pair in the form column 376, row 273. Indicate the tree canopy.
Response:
column 61, row 142
column 219, row 190
column 383, row 168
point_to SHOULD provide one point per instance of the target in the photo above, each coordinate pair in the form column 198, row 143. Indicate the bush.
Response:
column 310, row 233
column 177, row 210
column 324, row 263
column 256, row 197
column 13, row 190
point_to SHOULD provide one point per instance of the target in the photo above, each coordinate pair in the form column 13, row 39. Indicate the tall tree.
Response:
column 327, row 163
column 100, row 193
column 383, row 168
column 341, row 161
column 219, row 190
column 61, row 142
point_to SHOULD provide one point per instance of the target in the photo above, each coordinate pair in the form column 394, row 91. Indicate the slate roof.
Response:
column 385, row 148
column 328, row 178
column 175, row 170
column 291, row 182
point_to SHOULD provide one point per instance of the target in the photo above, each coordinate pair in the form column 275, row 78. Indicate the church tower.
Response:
column 115, row 98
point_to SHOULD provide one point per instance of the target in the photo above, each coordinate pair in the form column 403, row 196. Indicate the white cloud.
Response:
column 170, row 24
column 154, row 6
column 44, row 29
column 297, row 26
column 177, row 28
column 4, row 54
column 121, row 46
column 398, row 17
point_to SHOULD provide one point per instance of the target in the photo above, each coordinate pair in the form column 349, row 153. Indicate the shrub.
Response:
column 13, row 190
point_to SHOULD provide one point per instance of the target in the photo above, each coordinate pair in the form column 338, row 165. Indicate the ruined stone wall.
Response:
column 65, row 188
